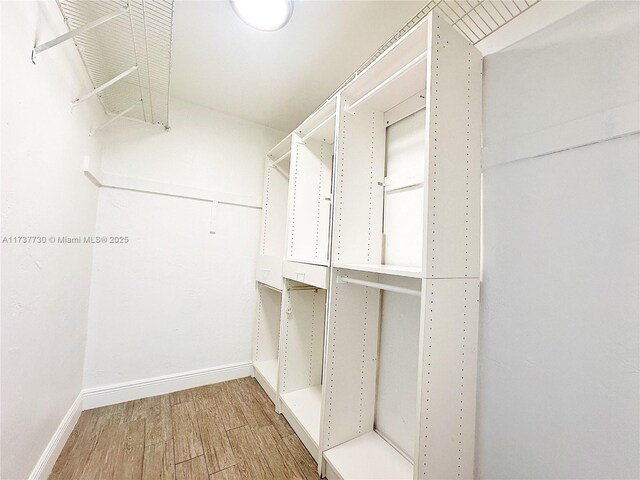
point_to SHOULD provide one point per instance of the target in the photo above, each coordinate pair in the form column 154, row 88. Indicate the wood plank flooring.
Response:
column 226, row 431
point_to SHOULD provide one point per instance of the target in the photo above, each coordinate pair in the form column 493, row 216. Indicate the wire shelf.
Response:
column 139, row 37
column 474, row 19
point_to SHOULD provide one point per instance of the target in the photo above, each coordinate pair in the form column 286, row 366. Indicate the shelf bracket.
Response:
column 115, row 117
column 103, row 86
column 75, row 32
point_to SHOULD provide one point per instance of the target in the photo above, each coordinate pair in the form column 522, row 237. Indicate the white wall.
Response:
column 559, row 355
column 176, row 298
column 45, row 288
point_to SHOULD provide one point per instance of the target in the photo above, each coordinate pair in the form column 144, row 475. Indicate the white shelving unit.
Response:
column 269, row 275
column 306, row 272
column 373, row 285
column 400, row 372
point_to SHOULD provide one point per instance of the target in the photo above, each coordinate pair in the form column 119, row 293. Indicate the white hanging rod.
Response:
column 381, row 286
column 275, row 162
column 394, row 187
column 115, row 117
column 314, row 130
column 76, row 31
column 386, row 82
column 103, row 86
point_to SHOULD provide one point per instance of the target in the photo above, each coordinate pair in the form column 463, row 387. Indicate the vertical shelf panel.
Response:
column 351, row 360
column 267, row 338
column 301, row 360
column 274, row 212
column 452, row 226
column 398, row 368
column 302, row 339
column 357, row 232
column 448, row 378
column 404, row 192
column 310, row 205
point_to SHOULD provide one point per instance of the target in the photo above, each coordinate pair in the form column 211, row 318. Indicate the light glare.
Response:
column 267, row 15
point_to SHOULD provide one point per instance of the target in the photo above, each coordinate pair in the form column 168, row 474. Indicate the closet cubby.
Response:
column 407, row 180
column 301, row 360
column 400, row 372
column 267, row 339
column 274, row 215
column 269, row 275
column 310, row 187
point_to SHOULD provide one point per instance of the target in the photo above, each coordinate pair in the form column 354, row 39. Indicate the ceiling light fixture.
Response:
column 265, row 15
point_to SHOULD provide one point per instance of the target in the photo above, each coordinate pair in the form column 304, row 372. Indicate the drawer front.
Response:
column 314, row 275
column 269, row 271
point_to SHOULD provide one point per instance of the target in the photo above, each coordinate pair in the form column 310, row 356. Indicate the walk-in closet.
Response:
column 320, row 239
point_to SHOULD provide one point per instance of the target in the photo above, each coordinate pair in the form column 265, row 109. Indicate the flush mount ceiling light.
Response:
column 265, row 15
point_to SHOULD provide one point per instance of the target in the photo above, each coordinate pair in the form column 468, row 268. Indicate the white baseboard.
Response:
column 149, row 387
column 48, row 458
column 123, row 392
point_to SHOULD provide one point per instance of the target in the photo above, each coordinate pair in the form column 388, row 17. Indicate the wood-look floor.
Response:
column 225, row 431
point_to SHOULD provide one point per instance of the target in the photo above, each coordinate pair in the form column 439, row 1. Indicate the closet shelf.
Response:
column 281, row 149
column 399, row 271
column 410, row 78
column 128, row 56
column 267, row 375
column 302, row 409
column 268, row 371
column 323, row 132
column 367, row 456
column 321, row 124
column 474, row 19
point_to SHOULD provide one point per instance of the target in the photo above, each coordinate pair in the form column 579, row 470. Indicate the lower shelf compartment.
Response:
column 400, row 271
column 302, row 409
column 266, row 372
column 367, row 457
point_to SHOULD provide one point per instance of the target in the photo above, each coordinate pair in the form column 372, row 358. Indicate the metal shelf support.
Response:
column 75, row 32
column 103, row 86
column 115, row 117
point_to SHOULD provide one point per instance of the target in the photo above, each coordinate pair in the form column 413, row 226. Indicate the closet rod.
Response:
column 314, row 130
column 296, row 289
column 381, row 286
column 386, row 82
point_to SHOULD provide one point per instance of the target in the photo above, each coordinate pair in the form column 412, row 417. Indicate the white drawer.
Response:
column 269, row 271
column 315, row 275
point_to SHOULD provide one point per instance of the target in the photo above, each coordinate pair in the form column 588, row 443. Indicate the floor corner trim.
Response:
column 51, row 452
column 148, row 387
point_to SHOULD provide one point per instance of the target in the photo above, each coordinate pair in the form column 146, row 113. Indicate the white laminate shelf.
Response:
column 281, row 148
column 266, row 372
column 302, row 409
column 367, row 457
column 399, row 271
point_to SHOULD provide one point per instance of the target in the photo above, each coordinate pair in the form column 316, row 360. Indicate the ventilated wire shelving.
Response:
column 474, row 19
column 125, row 46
